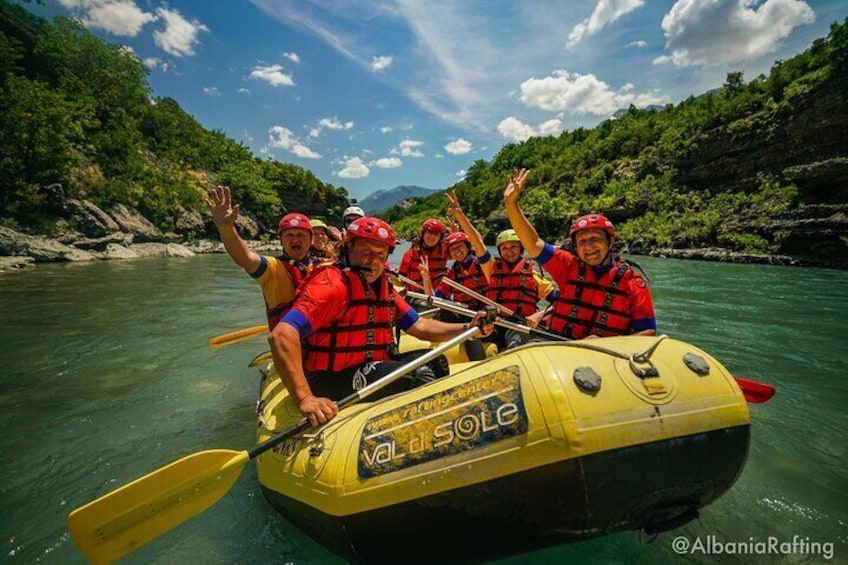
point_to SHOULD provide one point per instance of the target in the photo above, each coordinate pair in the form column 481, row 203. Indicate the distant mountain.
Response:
column 383, row 199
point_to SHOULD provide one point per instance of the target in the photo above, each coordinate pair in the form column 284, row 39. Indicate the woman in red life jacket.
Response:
column 599, row 295
column 511, row 280
column 337, row 337
column 429, row 245
column 277, row 276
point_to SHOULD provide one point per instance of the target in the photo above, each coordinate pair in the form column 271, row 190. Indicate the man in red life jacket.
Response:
column 337, row 337
column 277, row 276
column 599, row 295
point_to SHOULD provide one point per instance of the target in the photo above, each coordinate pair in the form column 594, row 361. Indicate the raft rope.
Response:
column 643, row 358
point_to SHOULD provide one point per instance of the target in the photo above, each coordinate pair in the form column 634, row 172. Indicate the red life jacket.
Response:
column 297, row 270
column 361, row 334
column 437, row 260
column 472, row 279
column 514, row 288
column 603, row 311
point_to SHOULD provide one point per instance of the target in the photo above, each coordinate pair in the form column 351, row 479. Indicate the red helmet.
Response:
column 592, row 221
column 456, row 237
column 294, row 221
column 434, row 226
column 371, row 228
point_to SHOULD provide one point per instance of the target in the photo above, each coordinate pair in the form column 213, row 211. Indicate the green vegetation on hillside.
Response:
column 640, row 168
column 78, row 111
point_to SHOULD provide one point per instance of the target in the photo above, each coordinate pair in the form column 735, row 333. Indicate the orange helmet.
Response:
column 456, row 237
column 371, row 228
column 592, row 221
column 294, row 221
column 434, row 226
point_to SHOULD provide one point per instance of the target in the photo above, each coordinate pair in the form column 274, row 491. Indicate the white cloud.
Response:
column 354, row 168
column 385, row 129
column 639, row 43
column 283, row 138
column 155, row 62
column 580, row 94
column 606, row 12
column 180, row 35
column 515, row 130
column 243, row 91
column 458, row 147
column 729, row 31
column 329, row 123
column 292, row 56
column 461, row 174
column 409, row 148
column 439, row 156
column 387, row 163
column 118, row 17
column 272, row 74
column 211, row 91
column 334, row 123
column 380, row 63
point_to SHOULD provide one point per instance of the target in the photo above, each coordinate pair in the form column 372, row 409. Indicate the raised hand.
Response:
column 424, row 265
column 454, row 209
column 515, row 184
column 223, row 212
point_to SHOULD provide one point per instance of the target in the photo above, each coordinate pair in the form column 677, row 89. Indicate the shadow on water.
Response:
column 106, row 376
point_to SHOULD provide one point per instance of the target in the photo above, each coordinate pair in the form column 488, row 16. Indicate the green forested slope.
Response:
column 78, row 111
column 756, row 167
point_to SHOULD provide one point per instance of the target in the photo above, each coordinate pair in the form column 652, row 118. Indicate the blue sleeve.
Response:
column 298, row 321
column 260, row 270
column 546, row 254
column 644, row 324
column 407, row 320
column 485, row 258
column 439, row 293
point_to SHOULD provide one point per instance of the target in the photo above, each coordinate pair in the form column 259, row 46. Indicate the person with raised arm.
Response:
column 278, row 277
column 599, row 294
column 511, row 280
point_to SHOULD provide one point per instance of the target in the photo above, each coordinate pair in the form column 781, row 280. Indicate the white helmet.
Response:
column 353, row 211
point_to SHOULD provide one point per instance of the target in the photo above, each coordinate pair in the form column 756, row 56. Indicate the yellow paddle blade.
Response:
column 125, row 519
column 237, row 336
column 261, row 359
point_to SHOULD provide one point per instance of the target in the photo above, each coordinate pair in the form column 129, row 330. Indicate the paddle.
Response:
column 457, row 308
column 754, row 392
column 237, row 336
column 461, row 288
column 125, row 519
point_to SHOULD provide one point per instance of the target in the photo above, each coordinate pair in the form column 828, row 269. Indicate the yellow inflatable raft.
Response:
column 538, row 445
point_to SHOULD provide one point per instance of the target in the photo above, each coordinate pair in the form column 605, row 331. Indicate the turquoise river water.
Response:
column 105, row 376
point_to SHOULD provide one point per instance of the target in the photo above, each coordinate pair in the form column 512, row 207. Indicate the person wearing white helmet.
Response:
column 351, row 213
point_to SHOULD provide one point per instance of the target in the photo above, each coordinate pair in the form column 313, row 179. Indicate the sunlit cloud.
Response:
column 180, row 36
column 729, row 31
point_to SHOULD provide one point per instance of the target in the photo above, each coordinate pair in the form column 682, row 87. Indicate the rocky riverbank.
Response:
column 87, row 233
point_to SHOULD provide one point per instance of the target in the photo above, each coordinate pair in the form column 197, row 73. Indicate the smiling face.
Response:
column 370, row 255
column 458, row 251
column 592, row 246
column 296, row 242
column 431, row 239
column 319, row 238
column 510, row 251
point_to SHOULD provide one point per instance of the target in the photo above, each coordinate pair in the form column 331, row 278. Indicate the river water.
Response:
column 105, row 376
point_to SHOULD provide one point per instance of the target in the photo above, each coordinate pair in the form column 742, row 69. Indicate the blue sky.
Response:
column 370, row 95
